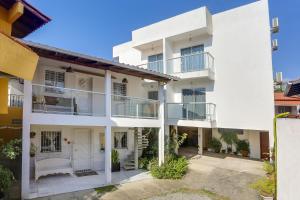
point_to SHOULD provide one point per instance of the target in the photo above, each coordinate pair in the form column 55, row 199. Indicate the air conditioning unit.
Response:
column 275, row 25
column 274, row 44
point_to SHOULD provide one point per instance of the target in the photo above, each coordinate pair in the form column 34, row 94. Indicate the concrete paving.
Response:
column 227, row 176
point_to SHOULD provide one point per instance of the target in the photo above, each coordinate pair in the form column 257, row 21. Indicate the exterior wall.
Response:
column 252, row 136
column 97, row 155
column 288, row 160
column 242, row 61
column 295, row 110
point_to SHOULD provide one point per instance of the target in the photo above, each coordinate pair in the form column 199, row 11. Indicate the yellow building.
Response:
column 17, row 20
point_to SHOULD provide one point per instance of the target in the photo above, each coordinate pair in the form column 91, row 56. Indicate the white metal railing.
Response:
column 133, row 107
column 48, row 99
column 190, row 63
column 191, row 111
column 15, row 100
column 157, row 66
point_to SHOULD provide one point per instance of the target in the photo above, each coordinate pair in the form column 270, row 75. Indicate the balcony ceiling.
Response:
column 96, row 62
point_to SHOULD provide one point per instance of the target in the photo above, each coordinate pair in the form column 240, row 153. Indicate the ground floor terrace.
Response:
column 209, row 177
column 73, row 158
column 201, row 140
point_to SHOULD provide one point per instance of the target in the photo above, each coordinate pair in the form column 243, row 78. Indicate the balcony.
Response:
column 57, row 100
column 198, row 111
column 133, row 107
column 192, row 66
column 157, row 66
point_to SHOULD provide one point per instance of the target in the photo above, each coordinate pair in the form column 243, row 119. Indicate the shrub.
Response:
column 242, row 145
column 173, row 168
column 229, row 138
column 114, row 156
column 144, row 163
column 265, row 186
column 268, row 167
column 215, row 144
column 6, row 179
column 12, row 149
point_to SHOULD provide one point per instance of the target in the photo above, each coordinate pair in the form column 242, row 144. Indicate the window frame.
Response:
column 118, row 140
column 57, row 82
column 52, row 135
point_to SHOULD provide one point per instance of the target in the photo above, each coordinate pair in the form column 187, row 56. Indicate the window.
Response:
column 283, row 109
column 50, row 141
column 190, row 109
column 102, row 141
column 155, row 62
column 192, row 58
column 120, row 89
column 153, row 95
column 120, row 140
column 116, row 59
column 54, row 79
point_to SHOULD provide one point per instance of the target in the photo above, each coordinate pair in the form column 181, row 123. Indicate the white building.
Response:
column 224, row 61
column 214, row 75
column 75, row 111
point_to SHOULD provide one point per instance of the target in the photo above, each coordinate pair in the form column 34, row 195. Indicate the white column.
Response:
column 27, row 104
column 176, row 138
column 108, row 128
column 161, row 134
column 108, row 154
column 200, row 141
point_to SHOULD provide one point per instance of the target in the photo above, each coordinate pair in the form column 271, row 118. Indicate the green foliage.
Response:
column 108, row 188
column 12, row 149
column 176, row 140
column 6, row 178
column 115, row 156
column 265, row 186
column 173, row 168
column 215, row 144
column 268, row 167
column 229, row 138
column 242, row 145
column 144, row 163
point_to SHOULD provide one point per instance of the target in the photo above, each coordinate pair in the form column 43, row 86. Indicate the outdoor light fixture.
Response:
column 124, row 80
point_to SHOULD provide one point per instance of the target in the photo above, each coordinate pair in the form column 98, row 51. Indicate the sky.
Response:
column 93, row 27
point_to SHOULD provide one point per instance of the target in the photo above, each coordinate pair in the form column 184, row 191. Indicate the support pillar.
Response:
column 27, row 104
column 161, row 134
column 200, row 141
column 108, row 134
column 176, row 138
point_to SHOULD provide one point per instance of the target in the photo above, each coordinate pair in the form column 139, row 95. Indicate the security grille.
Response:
column 50, row 141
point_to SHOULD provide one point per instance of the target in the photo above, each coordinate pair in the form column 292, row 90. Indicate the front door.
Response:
column 264, row 145
column 83, row 95
column 82, row 149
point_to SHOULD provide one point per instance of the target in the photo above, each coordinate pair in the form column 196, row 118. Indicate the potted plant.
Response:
column 265, row 188
column 33, row 149
column 215, row 144
column 242, row 146
column 229, row 138
column 6, row 180
column 115, row 162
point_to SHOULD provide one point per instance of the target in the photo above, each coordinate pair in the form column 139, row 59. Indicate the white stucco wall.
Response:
column 288, row 137
column 241, row 45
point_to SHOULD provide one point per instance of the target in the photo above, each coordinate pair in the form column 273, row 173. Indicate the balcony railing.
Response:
column 133, row 107
column 191, row 111
column 157, row 66
column 57, row 100
column 15, row 100
column 190, row 63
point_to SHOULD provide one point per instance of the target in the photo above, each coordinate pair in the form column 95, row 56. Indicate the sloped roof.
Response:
column 282, row 100
column 31, row 20
column 96, row 62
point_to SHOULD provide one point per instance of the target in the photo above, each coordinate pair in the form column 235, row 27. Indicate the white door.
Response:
column 82, row 149
column 84, row 96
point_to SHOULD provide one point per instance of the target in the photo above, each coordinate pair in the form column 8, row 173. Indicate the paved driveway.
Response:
column 223, row 178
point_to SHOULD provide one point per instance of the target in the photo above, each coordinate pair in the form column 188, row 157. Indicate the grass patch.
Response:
column 108, row 188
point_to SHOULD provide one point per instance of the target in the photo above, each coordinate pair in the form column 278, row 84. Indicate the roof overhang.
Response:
column 31, row 20
column 292, row 88
column 96, row 62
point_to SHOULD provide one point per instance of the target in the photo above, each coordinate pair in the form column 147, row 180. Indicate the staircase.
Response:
column 143, row 143
column 129, row 163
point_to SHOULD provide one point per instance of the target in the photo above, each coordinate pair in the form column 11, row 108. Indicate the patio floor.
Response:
column 58, row 184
